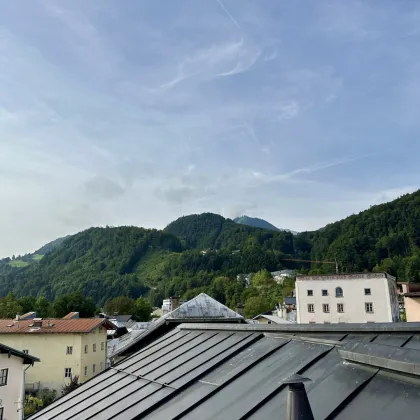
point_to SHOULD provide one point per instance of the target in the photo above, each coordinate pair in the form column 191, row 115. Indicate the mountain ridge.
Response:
column 259, row 223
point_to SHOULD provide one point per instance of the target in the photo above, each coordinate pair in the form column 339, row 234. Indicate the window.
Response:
column 102, row 365
column 324, row 292
column 3, row 376
column 67, row 372
column 268, row 322
column 311, row 307
column 369, row 307
column 69, row 350
column 25, row 351
column 326, row 308
column 93, row 368
column 340, row 307
column 102, row 346
column 367, row 292
column 1, row 413
column 310, row 292
column 86, row 348
column 338, row 292
column 86, row 371
column 94, row 347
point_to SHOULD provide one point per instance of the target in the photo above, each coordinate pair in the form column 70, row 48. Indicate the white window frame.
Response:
column 369, row 308
column 310, row 292
column 86, row 371
column 338, row 308
column 69, row 350
column 94, row 347
column 86, row 348
column 4, row 376
column 326, row 308
column 337, row 295
column 326, row 292
column 26, row 352
column 370, row 291
column 67, row 373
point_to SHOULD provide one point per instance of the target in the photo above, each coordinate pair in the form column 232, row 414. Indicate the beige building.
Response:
column 66, row 347
column 13, row 365
column 347, row 298
column 411, row 300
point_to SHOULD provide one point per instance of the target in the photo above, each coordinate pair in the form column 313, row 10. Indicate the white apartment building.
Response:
column 347, row 298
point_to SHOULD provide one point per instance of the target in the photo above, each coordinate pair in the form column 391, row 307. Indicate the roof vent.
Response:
column 37, row 323
column 298, row 407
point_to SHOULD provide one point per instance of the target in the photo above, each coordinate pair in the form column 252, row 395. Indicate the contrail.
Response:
column 229, row 15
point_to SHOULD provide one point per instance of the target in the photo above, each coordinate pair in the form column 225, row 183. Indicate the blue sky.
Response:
column 138, row 112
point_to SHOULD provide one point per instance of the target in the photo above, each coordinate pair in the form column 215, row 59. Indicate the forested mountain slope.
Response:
column 193, row 251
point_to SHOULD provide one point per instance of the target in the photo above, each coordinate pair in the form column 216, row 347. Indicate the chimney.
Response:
column 298, row 407
column 240, row 309
column 37, row 322
column 17, row 317
column 174, row 302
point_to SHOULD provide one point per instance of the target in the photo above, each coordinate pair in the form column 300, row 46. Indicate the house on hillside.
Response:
column 67, row 348
column 214, row 371
column 347, row 298
column 14, row 364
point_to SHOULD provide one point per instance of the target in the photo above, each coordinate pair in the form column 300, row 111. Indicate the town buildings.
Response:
column 13, row 366
column 66, row 347
column 347, row 298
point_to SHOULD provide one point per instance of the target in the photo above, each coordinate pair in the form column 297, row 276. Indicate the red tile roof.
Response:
column 82, row 325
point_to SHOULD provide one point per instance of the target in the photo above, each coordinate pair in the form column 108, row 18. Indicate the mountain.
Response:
column 259, row 223
column 49, row 247
column 191, row 254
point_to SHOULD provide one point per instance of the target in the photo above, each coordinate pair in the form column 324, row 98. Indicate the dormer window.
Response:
column 338, row 292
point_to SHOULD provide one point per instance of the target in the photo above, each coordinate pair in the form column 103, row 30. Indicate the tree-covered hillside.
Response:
column 194, row 252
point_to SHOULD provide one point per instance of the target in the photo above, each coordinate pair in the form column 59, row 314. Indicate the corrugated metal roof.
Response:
column 200, row 308
column 230, row 374
column 82, row 325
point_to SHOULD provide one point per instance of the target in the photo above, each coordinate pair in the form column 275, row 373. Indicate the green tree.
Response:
column 142, row 309
column 27, row 303
column 122, row 305
column 256, row 305
column 75, row 302
column 43, row 307
column 9, row 306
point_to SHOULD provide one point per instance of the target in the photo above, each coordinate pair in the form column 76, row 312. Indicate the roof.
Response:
column 27, row 358
column 82, row 325
column 220, row 371
column 121, row 318
column 273, row 318
column 346, row 276
column 72, row 315
column 290, row 300
column 199, row 309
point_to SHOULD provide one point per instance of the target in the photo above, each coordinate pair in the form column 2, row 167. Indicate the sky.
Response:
column 136, row 112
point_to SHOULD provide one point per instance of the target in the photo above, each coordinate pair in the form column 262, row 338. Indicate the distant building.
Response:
column 347, row 298
column 410, row 293
column 67, row 347
column 278, row 276
column 270, row 319
column 171, row 304
column 13, row 365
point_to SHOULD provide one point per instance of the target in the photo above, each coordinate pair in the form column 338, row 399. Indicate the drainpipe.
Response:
column 298, row 407
column 21, row 402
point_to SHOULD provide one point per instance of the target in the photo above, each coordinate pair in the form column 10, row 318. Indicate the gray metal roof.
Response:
column 224, row 373
column 202, row 308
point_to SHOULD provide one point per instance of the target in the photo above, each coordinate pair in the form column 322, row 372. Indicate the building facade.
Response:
column 410, row 295
column 13, row 364
column 66, row 347
column 347, row 298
